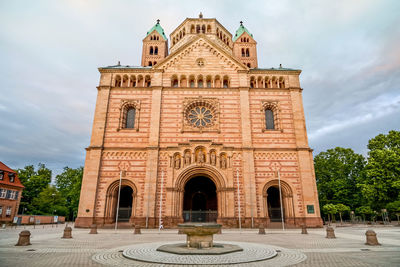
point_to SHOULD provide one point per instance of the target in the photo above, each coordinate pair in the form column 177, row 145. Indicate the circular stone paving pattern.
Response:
column 284, row 257
column 251, row 252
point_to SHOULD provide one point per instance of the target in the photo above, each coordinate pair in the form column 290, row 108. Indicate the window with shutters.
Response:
column 3, row 193
column 8, row 211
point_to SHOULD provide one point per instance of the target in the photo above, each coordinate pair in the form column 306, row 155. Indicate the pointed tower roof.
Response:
column 157, row 28
column 242, row 29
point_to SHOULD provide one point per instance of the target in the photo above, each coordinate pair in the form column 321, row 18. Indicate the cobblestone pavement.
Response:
column 348, row 249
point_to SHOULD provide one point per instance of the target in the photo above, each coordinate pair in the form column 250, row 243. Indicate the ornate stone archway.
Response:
column 112, row 198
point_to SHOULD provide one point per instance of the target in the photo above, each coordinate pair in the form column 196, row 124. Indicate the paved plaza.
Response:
column 105, row 248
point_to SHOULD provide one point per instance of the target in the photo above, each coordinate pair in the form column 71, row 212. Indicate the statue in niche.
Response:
column 177, row 162
column 200, row 157
column 223, row 162
column 212, row 158
column 187, row 159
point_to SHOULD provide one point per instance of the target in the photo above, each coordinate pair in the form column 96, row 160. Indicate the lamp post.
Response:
column 280, row 200
column 119, row 194
column 53, row 194
column 161, row 196
column 238, row 196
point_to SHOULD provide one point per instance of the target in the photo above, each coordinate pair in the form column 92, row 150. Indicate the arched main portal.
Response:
column 200, row 200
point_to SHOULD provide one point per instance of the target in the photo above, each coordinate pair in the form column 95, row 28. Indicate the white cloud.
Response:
column 50, row 52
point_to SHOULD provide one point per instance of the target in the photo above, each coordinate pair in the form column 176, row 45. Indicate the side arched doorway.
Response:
column 200, row 202
column 272, row 202
column 126, row 204
column 274, row 205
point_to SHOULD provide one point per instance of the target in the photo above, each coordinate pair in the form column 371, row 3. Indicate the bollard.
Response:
column 67, row 232
column 137, row 230
column 93, row 229
column 24, row 238
column 371, row 238
column 261, row 229
column 304, row 229
column 330, row 232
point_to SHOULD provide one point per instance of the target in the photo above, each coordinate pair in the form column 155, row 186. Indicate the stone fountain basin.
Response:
column 199, row 235
column 199, row 228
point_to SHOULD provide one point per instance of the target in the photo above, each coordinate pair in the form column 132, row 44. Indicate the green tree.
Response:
column 364, row 211
column 338, row 171
column 393, row 208
column 330, row 209
column 341, row 209
column 35, row 181
column 382, row 183
column 68, row 184
column 50, row 202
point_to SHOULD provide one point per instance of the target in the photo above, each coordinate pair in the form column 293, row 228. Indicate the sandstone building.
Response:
column 199, row 132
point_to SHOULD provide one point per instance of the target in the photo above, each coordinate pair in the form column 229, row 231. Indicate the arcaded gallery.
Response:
column 199, row 133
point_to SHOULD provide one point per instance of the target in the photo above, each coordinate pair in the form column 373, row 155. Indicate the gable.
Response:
column 246, row 35
column 156, row 34
column 200, row 49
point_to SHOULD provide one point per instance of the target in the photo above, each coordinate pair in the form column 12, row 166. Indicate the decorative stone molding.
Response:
column 120, row 155
column 124, row 106
column 200, row 115
column 275, row 156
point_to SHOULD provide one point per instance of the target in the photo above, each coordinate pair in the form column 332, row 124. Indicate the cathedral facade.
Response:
column 199, row 132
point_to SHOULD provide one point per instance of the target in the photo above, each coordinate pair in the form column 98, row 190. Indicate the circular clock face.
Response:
column 200, row 116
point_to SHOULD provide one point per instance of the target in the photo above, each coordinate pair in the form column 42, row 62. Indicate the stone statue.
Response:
column 223, row 162
column 177, row 162
column 200, row 158
column 212, row 158
column 187, row 158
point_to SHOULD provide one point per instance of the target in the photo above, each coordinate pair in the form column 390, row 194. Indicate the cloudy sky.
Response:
column 349, row 52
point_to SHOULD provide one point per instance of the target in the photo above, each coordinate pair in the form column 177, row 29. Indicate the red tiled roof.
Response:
column 6, row 179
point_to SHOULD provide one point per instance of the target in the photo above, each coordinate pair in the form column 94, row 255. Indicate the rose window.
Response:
column 200, row 116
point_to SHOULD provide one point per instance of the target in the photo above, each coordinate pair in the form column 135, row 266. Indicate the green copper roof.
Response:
column 240, row 31
column 159, row 29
